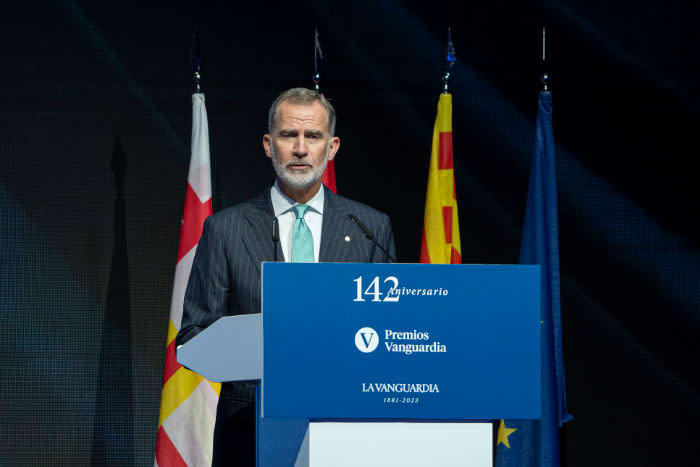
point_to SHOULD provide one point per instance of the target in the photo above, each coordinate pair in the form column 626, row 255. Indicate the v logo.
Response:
column 367, row 340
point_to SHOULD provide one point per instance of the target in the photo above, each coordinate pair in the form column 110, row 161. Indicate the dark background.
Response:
column 75, row 75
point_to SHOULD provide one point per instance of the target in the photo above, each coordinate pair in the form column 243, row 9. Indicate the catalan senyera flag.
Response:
column 440, row 243
column 188, row 401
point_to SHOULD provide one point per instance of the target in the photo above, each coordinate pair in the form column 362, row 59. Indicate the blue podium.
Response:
column 384, row 362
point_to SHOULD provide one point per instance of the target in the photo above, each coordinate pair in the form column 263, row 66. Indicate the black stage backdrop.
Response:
column 86, row 268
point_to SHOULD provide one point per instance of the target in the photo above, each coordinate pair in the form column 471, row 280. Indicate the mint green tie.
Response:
column 302, row 241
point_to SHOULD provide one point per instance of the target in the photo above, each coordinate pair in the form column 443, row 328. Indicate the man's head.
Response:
column 301, row 138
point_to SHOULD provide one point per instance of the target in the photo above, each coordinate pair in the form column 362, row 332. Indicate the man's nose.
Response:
column 300, row 149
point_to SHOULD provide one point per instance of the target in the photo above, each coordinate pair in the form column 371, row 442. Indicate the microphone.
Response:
column 275, row 235
column 369, row 235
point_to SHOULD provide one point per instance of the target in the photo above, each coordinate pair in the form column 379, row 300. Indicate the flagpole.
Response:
column 317, row 54
column 196, row 60
column 450, row 60
column 545, row 76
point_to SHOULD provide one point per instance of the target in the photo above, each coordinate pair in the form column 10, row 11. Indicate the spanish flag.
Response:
column 440, row 243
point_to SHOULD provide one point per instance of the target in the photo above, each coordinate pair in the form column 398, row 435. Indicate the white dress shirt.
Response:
column 283, row 206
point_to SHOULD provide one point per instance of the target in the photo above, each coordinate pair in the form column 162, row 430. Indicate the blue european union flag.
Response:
column 536, row 442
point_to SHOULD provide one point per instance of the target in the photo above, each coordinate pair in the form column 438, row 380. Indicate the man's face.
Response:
column 299, row 145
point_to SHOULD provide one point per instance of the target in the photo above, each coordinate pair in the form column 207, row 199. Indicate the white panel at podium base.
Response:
column 386, row 444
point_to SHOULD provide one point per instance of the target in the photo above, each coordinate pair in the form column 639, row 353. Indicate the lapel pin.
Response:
column 347, row 238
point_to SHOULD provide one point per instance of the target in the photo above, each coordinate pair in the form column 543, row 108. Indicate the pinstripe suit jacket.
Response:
column 225, row 277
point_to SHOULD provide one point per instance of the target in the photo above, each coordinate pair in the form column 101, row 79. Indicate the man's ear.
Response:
column 335, row 145
column 266, row 144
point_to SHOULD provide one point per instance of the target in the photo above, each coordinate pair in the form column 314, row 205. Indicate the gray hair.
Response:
column 302, row 96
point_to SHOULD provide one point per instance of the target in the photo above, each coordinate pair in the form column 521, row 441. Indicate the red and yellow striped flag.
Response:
column 440, row 243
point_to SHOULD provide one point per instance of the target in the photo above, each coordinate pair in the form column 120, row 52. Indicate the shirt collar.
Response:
column 282, row 203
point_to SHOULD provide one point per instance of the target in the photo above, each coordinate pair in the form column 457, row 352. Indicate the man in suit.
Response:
column 312, row 225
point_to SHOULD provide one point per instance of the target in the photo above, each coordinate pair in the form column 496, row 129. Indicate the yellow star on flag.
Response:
column 503, row 433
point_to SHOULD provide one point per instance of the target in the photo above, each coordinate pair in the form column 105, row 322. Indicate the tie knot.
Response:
column 301, row 210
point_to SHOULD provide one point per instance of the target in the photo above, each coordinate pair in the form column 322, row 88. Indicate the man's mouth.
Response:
column 298, row 166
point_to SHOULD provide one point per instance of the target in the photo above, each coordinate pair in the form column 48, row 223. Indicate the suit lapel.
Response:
column 337, row 228
column 257, row 235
